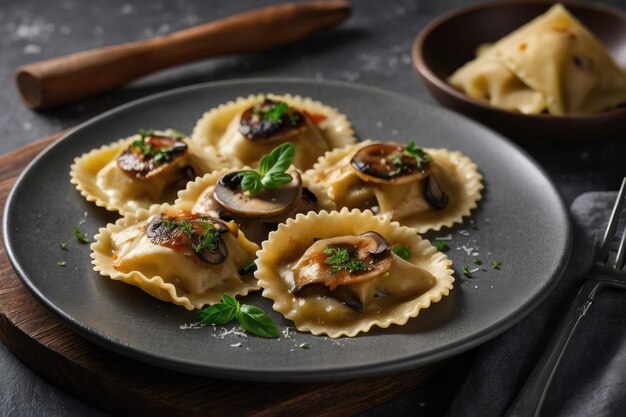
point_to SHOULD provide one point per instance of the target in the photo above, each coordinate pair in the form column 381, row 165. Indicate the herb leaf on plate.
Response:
column 217, row 314
column 272, row 169
column 80, row 236
column 256, row 321
column 251, row 318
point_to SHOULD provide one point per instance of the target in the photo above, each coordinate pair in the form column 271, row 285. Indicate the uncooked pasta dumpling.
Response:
column 221, row 194
column 242, row 131
column 552, row 63
column 422, row 188
column 341, row 273
column 136, row 172
column 176, row 256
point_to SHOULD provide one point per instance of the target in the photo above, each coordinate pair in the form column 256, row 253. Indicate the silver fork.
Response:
column 607, row 271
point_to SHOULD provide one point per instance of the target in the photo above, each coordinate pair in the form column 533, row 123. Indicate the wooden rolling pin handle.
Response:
column 83, row 74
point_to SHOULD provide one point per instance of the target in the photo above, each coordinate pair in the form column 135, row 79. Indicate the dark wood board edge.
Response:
column 122, row 385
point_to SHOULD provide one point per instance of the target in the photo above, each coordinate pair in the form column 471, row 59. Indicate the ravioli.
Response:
column 241, row 131
column 552, row 63
column 403, row 195
column 336, row 273
column 199, row 197
column 176, row 256
column 139, row 171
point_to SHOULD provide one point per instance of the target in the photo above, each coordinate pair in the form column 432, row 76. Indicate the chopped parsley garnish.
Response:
column 162, row 155
column 421, row 157
column 396, row 160
column 304, row 345
column 496, row 264
column 441, row 246
column 402, row 251
column 274, row 111
column 62, row 263
column 477, row 261
column 184, row 226
column 81, row 237
column 466, row 271
column 63, row 245
column 248, row 269
column 251, row 318
column 339, row 259
column 272, row 169
column 210, row 238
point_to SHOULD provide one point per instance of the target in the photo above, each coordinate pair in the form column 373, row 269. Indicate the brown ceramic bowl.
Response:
column 450, row 41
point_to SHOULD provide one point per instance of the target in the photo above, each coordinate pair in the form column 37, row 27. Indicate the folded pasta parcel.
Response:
column 258, row 200
column 422, row 188
column 241, row 131
column 144, row 169
column 176, row 256
column 341, row 273
column 552, row 64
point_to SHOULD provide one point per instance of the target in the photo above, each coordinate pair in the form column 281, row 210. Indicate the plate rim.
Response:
column 320, row 375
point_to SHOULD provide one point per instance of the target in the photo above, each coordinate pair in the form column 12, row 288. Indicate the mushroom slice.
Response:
column 434, row 194
column 265, row 205
column 342, row 294
column 388, row 163
column 201, row 234
column 271, row 120
column 342, row 260
column 307, row 202
column 151, row 156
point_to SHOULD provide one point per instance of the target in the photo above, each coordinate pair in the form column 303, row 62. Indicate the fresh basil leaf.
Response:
column 268, row 161
column 230, row 300
column 279, row 159
column 251, row 181
column 217, row 314
column 275, row 180
column 256, row 321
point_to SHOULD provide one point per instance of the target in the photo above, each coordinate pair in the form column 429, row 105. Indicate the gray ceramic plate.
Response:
column 520, row 222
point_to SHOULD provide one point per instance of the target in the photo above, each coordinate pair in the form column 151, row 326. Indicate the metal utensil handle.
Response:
column 530, row 400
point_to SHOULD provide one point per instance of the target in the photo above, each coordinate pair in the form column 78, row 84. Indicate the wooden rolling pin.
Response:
column 83, row 74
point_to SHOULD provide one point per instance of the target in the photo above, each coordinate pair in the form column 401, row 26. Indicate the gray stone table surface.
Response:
column 372, row 48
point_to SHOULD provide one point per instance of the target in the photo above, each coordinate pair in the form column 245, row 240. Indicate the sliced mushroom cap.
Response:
column 168, row 231
column 434, row 194
column 307, row 202
column 315, row 266
column 343, row 294
column 271, row 120
column 387, row 163
column 265, row 205
column 158, row 154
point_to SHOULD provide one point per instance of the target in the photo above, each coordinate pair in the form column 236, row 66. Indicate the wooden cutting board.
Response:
column 125, row 386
